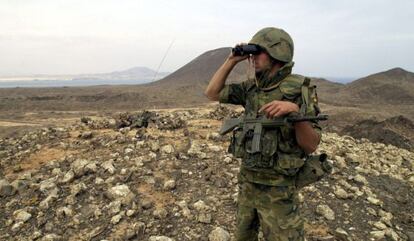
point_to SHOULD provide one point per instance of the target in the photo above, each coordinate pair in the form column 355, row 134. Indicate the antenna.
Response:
column 162, row 60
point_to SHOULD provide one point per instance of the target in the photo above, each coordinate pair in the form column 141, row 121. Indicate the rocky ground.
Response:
column 112, row 178
column 396, row 130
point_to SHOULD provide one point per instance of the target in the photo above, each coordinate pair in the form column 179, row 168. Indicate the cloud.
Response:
column 332, row 38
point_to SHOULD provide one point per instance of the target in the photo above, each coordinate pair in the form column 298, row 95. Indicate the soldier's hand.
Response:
column 278, row 108
column 235, row 59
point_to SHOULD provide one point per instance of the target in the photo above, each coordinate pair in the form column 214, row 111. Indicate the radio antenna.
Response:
column 163, row 58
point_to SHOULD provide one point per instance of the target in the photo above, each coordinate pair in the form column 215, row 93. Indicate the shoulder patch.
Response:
column 292, row 84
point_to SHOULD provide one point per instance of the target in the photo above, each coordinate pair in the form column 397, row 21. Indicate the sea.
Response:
column 66, row 83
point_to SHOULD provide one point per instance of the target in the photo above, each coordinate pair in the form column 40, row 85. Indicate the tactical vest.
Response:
column 279, row 151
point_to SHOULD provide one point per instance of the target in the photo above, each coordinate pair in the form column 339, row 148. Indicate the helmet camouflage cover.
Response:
column 276, row 42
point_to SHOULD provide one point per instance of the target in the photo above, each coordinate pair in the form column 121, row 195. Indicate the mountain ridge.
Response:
column 133, row 73
column 393, row 86
column 189, row 82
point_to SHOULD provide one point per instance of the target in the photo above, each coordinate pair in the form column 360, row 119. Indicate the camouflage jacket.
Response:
column 281, row 156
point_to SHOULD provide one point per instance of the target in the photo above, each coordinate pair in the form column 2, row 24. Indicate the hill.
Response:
column 199, row 71
column 394, row 86
column 188, row 83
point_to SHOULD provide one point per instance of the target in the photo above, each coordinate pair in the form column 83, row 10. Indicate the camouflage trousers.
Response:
column 274, row 208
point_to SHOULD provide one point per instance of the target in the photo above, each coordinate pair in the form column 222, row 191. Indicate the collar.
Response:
column 270, row 83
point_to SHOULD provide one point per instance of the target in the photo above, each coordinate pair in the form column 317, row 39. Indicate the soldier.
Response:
column 268, row 194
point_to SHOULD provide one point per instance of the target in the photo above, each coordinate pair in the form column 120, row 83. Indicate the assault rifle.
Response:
column 257, row 124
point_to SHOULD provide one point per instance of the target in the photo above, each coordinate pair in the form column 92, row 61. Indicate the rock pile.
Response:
column 221, row 112
column 176, row 182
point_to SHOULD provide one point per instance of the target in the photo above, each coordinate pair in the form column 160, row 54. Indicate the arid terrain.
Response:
column 97, row 177
column 77, row 163
column 377, row 97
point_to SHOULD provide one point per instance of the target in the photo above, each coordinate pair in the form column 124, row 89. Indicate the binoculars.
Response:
column 247, row 49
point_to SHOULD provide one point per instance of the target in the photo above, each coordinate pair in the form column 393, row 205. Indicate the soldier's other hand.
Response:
column 235, row 59
column 278, row 108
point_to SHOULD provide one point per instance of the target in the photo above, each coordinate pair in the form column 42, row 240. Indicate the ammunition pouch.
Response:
column 288, row 165
column 241, row 147
column 236, row 146
column 264, row 158
column 267, row 158
column 314, row 169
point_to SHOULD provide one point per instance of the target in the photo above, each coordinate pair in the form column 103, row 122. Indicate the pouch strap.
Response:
column 305, row 96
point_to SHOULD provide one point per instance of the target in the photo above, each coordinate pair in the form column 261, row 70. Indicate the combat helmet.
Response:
column 276, row 42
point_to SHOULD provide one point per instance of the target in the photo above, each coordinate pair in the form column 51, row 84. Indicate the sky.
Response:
column 344, row 38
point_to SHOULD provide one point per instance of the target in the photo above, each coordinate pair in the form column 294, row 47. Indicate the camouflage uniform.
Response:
column 267, row 192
